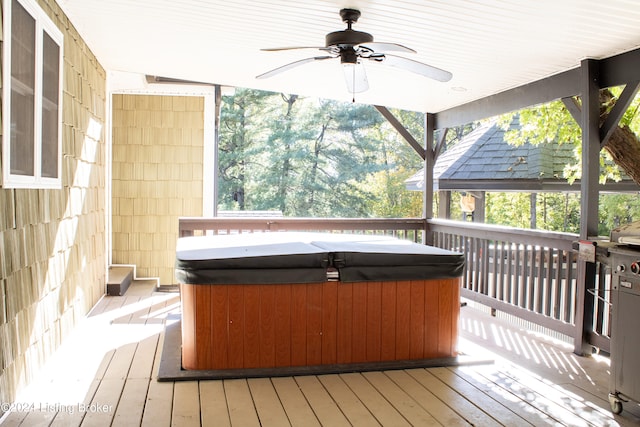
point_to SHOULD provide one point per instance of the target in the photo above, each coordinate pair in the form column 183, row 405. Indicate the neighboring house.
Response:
column 482, row 161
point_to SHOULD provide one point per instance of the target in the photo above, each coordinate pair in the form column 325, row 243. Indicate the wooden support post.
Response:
column 533, row 201
column 216, row 143
column 588, row 202
column 429, row 162
column 444, row 204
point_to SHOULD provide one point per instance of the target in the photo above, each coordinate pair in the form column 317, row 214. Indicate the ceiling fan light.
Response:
column 355, row 77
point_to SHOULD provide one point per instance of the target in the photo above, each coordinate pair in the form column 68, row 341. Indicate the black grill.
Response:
column 625, row 315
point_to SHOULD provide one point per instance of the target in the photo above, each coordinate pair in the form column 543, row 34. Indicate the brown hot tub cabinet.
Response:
column 263, row 303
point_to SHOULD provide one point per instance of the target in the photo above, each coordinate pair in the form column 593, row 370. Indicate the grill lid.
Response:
column 628, row 234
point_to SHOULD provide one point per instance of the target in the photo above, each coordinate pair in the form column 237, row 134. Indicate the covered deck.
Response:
column 109, row 359
column 518, row 377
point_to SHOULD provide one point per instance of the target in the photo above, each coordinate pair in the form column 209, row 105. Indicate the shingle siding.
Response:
column 52, row 242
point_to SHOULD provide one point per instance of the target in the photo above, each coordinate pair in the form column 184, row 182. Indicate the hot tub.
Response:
column 262, row 304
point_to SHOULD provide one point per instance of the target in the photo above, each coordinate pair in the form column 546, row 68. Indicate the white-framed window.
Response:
column 32, row 65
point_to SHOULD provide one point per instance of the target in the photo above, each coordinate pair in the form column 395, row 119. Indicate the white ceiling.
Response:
column 488, row 45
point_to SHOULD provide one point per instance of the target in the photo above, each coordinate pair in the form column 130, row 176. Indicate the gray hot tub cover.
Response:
column 286, row 257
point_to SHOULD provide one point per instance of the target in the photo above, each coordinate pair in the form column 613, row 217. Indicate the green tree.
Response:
column 512, row 209
column 553, row 122
column 239, row 133
column 309, row 157
column 617, row 210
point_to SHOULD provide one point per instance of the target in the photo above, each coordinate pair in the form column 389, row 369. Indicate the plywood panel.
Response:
column 220, row 323
column 374, row 321
column 203, row 320
column 403, row 320
column 283, row 333
column 267, row 326
column 388, row 320
column 417, row 326
column 298, row 325
column 236, row 326
column 359, row 326
column 433, row 321
column 344, row 321
column 251, row 326
column 329, row 322
column 314, row 324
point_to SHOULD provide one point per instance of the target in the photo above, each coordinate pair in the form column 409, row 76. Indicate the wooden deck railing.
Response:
column 409, row 229
column 530, row 274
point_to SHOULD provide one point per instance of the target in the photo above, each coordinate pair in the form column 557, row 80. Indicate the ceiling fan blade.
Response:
column 386, row 47
column 292, row 65
column 356, row 77
column 414, row 67
column 276, row 49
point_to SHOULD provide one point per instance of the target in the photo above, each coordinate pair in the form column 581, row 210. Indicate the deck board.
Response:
column 267, row 403
column 158, row 405
column 353, row 409
column 104, row 403
column 320, row 400
column 426, row 399
column 131, row 405
column 381, row 409
column 186, row 404
column 401, row 401
column 458, row 402
column 241, row 408
column 121, row 362
column 529, row 414
column 534, row 381
column 143, row 358
column 294, row 402
column 487, row 402
column 213, row 404
column 550, row 404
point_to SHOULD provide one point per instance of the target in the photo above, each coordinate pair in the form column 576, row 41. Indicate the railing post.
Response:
column 588, row 203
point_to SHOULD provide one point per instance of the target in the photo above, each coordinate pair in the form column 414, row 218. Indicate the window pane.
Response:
column 50, row 105
column 23, row 48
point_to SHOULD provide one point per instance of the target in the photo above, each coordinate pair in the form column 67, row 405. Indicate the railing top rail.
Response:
column 503, row 233
column 187, row 224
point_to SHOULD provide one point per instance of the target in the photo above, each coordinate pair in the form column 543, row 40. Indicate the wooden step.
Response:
column 119, row 280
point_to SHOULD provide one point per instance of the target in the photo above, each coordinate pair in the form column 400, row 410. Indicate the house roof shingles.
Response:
column 483, row 160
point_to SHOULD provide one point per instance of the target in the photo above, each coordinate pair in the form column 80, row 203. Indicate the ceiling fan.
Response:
column 353, row 46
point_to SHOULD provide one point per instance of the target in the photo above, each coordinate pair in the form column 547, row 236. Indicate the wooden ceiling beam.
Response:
column 401, row 130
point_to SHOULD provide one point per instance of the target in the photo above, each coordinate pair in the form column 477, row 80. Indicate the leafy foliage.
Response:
column 552, row 122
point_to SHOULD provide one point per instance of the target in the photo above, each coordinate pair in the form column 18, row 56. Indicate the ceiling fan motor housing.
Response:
column 348, row 37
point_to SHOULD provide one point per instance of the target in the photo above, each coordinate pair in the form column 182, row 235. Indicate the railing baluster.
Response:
column 509, row 290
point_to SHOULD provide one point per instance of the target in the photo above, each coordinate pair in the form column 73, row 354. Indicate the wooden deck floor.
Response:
column 110, row 363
